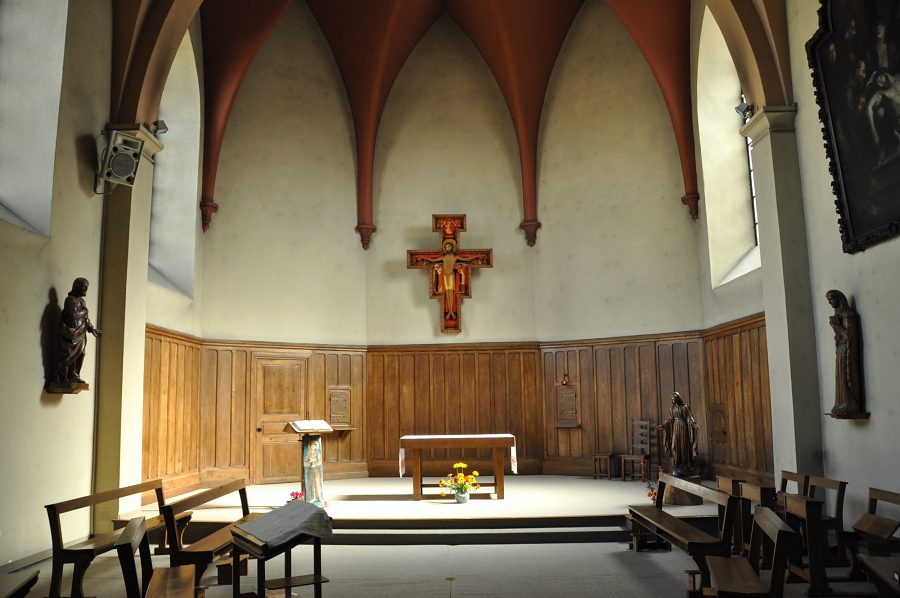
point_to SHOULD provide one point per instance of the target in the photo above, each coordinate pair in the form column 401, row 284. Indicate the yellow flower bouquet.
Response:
column 460, row 482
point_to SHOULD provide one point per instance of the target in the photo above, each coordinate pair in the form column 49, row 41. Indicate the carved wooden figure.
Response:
column 849, row 402
column 450, row 267
column 74, row 326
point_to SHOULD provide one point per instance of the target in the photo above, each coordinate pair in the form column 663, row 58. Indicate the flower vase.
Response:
column 462, row 497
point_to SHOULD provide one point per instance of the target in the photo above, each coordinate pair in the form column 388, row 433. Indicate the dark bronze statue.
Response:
column 74, row 326
column 848, row 393
column 681, row 437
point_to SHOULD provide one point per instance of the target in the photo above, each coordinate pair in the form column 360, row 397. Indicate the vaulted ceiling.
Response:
column 371, row 40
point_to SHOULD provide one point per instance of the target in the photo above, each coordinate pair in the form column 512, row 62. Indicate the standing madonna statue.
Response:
column 680, row 437
column 848, row 395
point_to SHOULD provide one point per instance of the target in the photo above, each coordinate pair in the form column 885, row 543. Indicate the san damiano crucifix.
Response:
column 450, row 267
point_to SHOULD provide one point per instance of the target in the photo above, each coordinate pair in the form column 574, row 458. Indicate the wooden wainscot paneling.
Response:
column 739, row 410
column 256, row 389
column 618, row 381
column 170, row 443
column 453, row 389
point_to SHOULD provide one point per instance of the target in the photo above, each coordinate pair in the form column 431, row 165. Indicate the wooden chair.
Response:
column 835, row 521
column 176, row 582
column 740, row 576
column 640, row 451
column 607, row 459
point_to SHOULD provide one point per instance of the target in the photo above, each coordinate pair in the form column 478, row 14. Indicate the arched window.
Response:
column 173, row 219
column 724, row 159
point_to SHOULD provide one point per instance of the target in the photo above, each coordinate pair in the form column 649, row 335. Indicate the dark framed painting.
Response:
column 855, row 62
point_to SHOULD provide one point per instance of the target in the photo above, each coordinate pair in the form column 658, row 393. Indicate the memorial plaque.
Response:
column 567, row 407
column 339, row 403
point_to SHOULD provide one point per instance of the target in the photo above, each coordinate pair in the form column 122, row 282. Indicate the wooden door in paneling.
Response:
column 279, row 398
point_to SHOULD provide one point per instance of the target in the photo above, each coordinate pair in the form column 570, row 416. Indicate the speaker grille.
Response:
column 122, row 164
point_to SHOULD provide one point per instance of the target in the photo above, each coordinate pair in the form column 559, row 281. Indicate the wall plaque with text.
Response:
column 339, row 407
column 567, row 407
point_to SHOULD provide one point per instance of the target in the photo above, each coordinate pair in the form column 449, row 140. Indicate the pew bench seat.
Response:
column 672, row 530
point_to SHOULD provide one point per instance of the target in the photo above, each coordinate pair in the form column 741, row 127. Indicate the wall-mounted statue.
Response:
column 849, row 402
column 74, row 326
column 681, row 437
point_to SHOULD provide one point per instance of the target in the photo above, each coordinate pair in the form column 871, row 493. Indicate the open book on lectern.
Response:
column 311, row 426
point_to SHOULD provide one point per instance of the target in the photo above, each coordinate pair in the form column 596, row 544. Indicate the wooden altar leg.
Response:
column 498, row 471
column 416, row 458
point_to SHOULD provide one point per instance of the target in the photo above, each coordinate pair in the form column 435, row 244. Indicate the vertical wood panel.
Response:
column 375, row 387
column 738, row 408
column 605, row 441
column 209, row 363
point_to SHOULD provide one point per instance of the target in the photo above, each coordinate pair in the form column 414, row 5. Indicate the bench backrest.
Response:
column 874, row 527
column 876, row 494
column 730, row 503
column 132, row 539
column 171, row 510
column 802, row 481
column 767, row 527
column 54, row 510
column 838, row 487
column 710, row 494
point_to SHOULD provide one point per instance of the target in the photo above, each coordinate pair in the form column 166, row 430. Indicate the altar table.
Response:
column 496, row 442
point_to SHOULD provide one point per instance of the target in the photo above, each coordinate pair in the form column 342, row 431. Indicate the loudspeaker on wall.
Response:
column 120, row 159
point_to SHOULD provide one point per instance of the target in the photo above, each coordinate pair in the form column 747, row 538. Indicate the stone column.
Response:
column 787, row 295
column 125, row 249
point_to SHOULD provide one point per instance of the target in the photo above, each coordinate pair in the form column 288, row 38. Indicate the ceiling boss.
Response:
column 450, row 267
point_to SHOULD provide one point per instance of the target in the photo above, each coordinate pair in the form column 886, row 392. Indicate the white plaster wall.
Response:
column 48, row 440
column 863, row 453
column 281, row 259
column 617, row 253
column 447, row 145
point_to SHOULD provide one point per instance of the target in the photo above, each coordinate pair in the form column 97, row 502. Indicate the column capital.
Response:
column 768, row 119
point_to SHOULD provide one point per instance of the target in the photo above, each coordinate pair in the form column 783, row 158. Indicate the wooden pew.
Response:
column 18, row 584
column 873, row 530
column 669, row 529
column 740, row 576
column 804, row 514
column 834, row 522
column 763, row 496
column 81, row 552
column 741, row 528
column 215, row 546
column 176, row 582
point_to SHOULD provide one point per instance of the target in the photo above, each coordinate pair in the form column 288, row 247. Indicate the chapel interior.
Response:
column 645, row 236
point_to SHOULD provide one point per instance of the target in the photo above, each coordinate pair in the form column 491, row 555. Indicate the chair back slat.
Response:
column 801, row 480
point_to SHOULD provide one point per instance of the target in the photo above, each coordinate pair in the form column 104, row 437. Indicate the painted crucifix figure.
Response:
column 450, row 267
